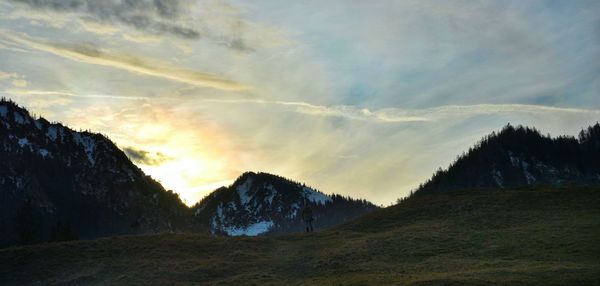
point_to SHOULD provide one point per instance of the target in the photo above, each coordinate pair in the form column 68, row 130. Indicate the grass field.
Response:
column 479, row 237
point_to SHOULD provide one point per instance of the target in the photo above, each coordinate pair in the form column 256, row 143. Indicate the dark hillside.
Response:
column 521, row 156
column 510, row 237
column 60, row 184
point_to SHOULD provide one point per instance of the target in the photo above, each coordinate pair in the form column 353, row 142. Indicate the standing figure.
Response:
column 307, row 216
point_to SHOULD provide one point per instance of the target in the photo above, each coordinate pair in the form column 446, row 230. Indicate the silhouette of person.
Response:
column 307, row 216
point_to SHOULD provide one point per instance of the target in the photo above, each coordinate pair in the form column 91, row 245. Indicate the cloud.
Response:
column 158, row 17
column 19, row 82
column 26, row 92
column 145, row 157
column 391, row 115
column 39, row 18
column 8, row 75
column 17, row 79
column 92, row 55
column 98, row 27
column 140, row 38
column 218, row 22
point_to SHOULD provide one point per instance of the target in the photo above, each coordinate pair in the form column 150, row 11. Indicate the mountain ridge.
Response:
column 522, row 156
column 58, row 184
column 261, row 203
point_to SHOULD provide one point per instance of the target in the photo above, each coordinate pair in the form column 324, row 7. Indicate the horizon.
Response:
column 360, row 100
column 228, row 184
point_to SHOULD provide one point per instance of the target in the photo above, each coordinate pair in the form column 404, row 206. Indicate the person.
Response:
column 307, row 216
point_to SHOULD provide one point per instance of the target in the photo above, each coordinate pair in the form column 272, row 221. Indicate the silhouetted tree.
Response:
column 28, row 223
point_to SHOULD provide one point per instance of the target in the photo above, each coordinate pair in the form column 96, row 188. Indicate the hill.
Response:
column 521, row 156
column 262, row 203
column 539, row 236
column 60, row 184
column 57, row 183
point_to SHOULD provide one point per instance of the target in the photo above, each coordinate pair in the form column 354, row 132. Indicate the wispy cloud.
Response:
column 93, row 55
column 7, row 75
column 25, row 92
column 217, row 22
column 391, row 115
column 17, row 79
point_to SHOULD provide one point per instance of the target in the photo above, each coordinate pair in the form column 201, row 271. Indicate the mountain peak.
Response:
column 55, row 176
column 261, row 203
column 521, row 156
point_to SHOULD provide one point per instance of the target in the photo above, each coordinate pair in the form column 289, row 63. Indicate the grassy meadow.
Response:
column 540, row 236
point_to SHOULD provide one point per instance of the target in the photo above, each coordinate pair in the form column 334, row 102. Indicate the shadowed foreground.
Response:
column 525, row 236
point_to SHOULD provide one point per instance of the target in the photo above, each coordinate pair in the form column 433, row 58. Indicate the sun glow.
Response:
column 186, row 154
column 192, row 178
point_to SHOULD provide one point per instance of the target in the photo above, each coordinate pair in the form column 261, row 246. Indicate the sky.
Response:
column 359, row 98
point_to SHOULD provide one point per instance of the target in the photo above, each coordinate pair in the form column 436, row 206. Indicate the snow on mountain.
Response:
column 250, row 230
column 23, row 142
column 61, row 177
column 521, row 156
column 20, row 118
column 52, row 132
column 243, row 191
column 88, row 144
column 315, row 196
column 261, row 203
column 3, row 111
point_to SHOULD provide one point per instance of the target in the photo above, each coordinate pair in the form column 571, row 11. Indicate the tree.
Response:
column 28, row 223
column 62, row 232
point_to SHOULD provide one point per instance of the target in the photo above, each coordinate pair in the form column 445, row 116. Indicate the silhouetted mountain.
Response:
column 521, row 156
column 261, row 203
column 56, row 183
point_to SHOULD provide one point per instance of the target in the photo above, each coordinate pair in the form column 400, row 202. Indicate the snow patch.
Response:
column 315, row 196
column 45, row 153
column 497, row 175
column 88, row 146
column 3, row 111
column 514, row 161
column 232, row 206
column 38, row 124
column 529, row 177
column 23, row 142
column 272, row 193
column 251, row 230
column 293, row 210
column 243, row 190
column 220, row 212
column 20, row 119
column 52, row 133
column 517, row 162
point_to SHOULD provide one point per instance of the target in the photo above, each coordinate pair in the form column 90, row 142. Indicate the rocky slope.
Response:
column 261, row 203
column 57, row 183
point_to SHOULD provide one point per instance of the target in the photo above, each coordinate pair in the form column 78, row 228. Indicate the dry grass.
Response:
column 516, row 237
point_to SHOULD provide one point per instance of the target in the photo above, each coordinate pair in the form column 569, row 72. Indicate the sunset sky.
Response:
column 360, row 98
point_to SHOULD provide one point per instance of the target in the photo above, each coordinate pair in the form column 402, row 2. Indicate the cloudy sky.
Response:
column 361, row 98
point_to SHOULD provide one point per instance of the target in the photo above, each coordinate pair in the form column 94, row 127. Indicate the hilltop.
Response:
column 522, row 156
column 57, row 183
column 262, row 203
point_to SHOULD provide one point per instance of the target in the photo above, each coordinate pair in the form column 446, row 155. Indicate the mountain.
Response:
column 57, row 183
column 261, row 203
column 60, row 184
column 521, row 156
